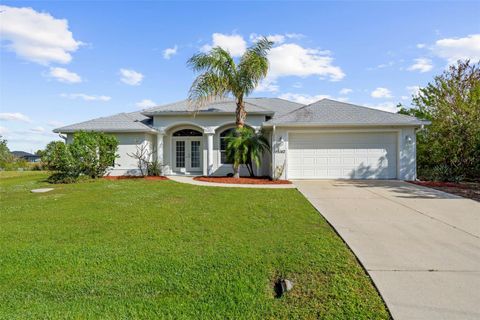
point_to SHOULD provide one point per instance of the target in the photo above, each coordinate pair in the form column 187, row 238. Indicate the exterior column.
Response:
column 160, row 148
column 209, row 131
column 209, row 154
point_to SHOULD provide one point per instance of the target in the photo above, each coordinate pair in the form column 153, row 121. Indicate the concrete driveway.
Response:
column 420, row 246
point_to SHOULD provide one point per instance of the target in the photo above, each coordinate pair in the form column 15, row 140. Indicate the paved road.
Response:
column 420, row 246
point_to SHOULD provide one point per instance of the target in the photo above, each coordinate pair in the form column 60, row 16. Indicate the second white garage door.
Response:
column 350, row 155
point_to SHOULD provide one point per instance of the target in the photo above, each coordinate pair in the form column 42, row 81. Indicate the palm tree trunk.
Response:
column 240, row 116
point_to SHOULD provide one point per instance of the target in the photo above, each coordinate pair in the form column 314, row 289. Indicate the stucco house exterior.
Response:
column 324, row 140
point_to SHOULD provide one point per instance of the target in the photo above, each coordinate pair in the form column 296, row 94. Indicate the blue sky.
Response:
column 65, row 62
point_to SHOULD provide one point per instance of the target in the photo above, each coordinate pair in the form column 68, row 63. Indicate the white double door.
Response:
column 187, row 154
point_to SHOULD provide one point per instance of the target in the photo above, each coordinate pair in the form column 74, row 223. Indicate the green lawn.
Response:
column 158, row 249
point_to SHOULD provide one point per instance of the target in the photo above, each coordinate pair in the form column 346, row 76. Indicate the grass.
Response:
column 159, row 249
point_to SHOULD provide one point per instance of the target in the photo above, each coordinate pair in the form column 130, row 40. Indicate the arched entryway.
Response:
column 187, row 151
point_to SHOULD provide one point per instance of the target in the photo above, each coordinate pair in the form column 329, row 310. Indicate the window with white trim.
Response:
column 223, row 146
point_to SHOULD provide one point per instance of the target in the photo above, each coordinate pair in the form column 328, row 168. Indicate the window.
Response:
column 223, row 146
column 187, row 133
column 180, row 154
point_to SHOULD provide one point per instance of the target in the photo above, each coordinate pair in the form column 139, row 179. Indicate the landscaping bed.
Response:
column 469, row 190
column 241, row 180
column 135, row 177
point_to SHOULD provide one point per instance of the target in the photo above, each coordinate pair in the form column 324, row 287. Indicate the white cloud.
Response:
column 384, row 106
column 413, row 90
column 169, row 52
column 405, row 97
column 267, row 86
column 276, row 38
column 85, row 97
column 453, row 49
column 63, row 75
column 383, row 65
column 346, row 91
column 293, row 60
column 235, row 44
column 422, row 65
column 381, row 93
column 295, row 35
column 145, row 103
column 131, row 77
column 37, row 36
column 14, row 116
column 303, row 98
column 421, row 45
column 38, row 129
column 3, row 130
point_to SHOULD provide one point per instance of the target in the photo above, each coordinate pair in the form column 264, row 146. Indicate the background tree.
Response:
column 5, row 155
column 449, row 149
column 7, row 160
column 221, row 77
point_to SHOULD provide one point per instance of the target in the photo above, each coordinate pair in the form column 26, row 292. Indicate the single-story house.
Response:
column 324, row 140
column 30, row 157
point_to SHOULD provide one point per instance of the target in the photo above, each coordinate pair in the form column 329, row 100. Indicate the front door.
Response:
column 188, row 155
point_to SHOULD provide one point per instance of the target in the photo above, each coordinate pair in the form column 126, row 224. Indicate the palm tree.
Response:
column 221, row 77
column 245, row 146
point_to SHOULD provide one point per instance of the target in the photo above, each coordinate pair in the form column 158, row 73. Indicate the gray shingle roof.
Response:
column 267, row 106
column 325, row 112
column 334, row 113
column 122, row 122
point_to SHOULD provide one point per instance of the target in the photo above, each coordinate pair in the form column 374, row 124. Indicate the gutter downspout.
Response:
column 273, row 152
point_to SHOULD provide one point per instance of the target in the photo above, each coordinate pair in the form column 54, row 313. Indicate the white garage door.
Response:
column 357, row 155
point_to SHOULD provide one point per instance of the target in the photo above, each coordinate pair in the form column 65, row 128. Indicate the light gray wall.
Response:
column 127, row 144
column 170, row 124
column 202, row 120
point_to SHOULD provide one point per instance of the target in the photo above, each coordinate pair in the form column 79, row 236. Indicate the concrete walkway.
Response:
column 420, row 246
column 189, row 180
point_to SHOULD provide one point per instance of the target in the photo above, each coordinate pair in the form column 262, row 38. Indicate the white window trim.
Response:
column 220, row 163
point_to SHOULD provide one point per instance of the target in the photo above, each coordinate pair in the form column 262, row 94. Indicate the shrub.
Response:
column 154, row 168
column 90, row 154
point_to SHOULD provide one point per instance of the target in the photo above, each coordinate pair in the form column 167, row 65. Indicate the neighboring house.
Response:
column 27, row 156
column 324, row 140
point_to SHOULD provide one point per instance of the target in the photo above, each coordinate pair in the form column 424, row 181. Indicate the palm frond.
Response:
column 218, row 77
column 253, row 66
column 207, row 87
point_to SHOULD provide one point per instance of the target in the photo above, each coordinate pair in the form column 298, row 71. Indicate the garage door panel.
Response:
column 342, row 156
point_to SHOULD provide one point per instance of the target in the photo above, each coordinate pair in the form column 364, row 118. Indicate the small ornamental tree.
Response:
column 245, row 146
column 90, row 154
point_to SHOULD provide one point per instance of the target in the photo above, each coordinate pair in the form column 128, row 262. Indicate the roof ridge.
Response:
column 256, row 105
column 364, row 107
column 286, row 114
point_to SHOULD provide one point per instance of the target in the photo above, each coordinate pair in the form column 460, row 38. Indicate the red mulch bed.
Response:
column 135, row 177
column 242, row 180
column 469, row 190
